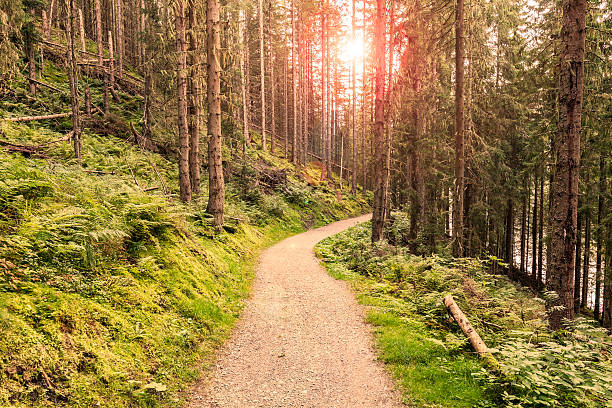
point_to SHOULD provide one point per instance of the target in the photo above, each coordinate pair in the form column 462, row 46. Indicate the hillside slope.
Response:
column 112, row 292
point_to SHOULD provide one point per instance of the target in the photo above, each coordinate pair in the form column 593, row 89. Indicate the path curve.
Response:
column 301, row 340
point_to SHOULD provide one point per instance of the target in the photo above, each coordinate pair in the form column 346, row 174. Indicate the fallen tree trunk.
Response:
column 332, row 164
column 41, row 117
column 45, row 85
column 472, row 335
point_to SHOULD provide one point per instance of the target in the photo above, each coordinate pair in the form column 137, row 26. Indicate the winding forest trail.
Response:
column 301, row 341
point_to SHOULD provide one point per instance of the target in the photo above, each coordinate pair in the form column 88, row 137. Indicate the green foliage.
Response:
column 432, row 359
column 112, row 295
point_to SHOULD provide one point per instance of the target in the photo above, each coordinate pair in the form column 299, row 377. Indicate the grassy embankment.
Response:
column 112, row 292
column 432, row 361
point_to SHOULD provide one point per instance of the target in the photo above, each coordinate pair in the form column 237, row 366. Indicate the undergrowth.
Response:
column 430, row 357
column 112, row 292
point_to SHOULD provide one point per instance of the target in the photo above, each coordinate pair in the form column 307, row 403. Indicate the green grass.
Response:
column 430, row 358
column 428, row 373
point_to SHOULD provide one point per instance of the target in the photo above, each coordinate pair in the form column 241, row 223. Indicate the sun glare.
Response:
column 354, row 49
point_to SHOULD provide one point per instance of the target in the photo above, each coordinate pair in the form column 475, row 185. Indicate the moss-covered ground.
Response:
column 112, row 292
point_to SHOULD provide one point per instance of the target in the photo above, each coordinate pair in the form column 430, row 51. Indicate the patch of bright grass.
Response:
column 428, row 374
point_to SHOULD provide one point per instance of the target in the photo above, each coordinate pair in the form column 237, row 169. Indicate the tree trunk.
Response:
column 330, row 108
column 323, row 96
column 587, row 258
column 459, row 133
column 247, row 78
column 534, row 233
column 378, row 211
column 148, row 99
column 181, row 86
column 194, row 100
column 541, row 232
column 523, row 230
column 262, row 73
column 111, row 60
column 509, row 241
column 101, row 50
column 354, row 110
column 607, row 297
column 216, row 192
column 607, row 312
column 286, row 104
column 564, row 205
column 245, row 106
column 73, row 79
column 31, row 62
column 120, row 39
column 84, row 49
column 294, row 155
column 387, row 111
column 272, row 79
column 577, row 261
column 364, row 166
column 50, row 22
column 141, row 48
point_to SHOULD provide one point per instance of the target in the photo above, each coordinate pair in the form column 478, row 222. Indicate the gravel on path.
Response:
column 301, row 341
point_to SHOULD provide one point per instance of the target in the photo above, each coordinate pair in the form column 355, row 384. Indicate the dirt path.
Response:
column 301, row 340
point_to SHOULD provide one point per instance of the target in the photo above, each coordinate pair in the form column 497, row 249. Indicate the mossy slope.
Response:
column 112, row 292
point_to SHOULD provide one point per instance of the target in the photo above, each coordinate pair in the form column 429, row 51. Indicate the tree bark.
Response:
column 541, row 232
column 524, row 216
column 286, row 104
column 247, row 78
column 565, row 181
column 459, row 132
column 607, row 312
column 31, row 61
column 577, row 260
column 262, row 87
column 509, row 241
column 378, row 211
column 354, row 109
column 120, row 38
column 363, row 104
column 73, row 79
column 272, row 79
column 50, row 22
column 181, row 87
column 463, row 322
column 534, row 233
column 243, row 85
column 111, row 60
column 216, row 192
column 101, row 50
column 294, row 152
column 194, row 100
column 587, row 257
column 84, row 49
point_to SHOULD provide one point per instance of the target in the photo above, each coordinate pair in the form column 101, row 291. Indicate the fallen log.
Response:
column 336, row 165
column 26, row 151
column 467, row 329
column 115, row 94
column 41, row 117
column 45, row 85
column 99, row 172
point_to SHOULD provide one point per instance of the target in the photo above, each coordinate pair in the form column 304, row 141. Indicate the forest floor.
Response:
column 113, row 293
column 302, row 339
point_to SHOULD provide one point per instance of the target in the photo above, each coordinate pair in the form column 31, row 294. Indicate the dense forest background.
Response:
column 478, row 129
column 407, row 99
